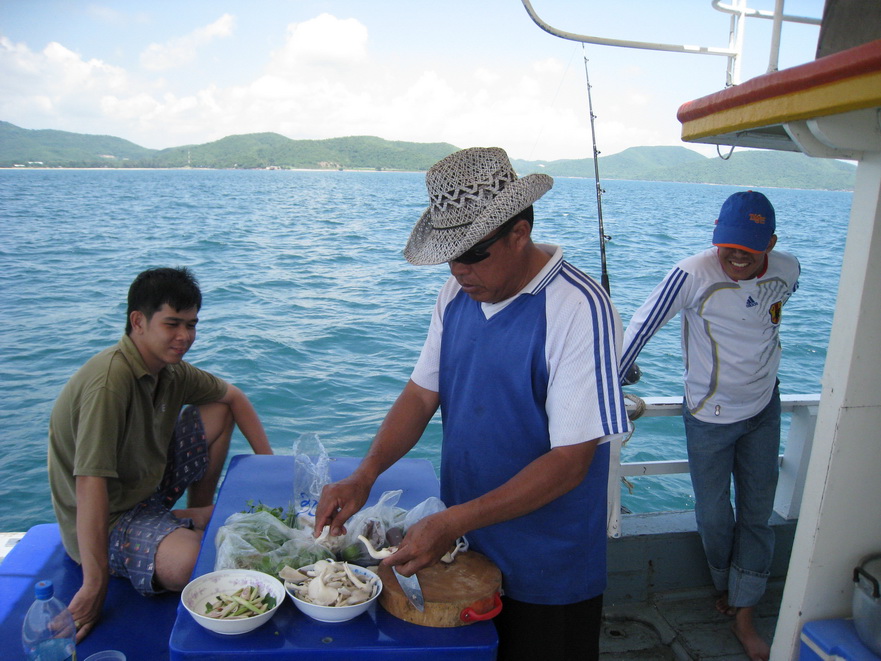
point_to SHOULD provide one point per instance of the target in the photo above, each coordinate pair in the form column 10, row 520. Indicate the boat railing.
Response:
column 736, row 9
column 802, row 411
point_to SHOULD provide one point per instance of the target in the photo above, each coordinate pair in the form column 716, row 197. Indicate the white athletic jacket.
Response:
column 730, row 332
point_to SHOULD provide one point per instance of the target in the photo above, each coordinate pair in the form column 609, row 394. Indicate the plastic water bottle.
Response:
column 48, row 632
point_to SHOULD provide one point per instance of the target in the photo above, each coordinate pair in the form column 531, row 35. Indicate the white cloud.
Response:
column 321, row 82
column 485, row 76
column 176, row 52
column 17, row 59
column 69, row 72
column 131, row 107
column 54, row 84
column 321, row 41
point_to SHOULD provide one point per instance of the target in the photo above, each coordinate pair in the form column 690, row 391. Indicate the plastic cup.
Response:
column 106, row 655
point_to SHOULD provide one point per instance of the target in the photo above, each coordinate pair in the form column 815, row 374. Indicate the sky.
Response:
column 466, row 72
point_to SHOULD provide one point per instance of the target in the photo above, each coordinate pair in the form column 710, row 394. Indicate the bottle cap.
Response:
column 44, row 590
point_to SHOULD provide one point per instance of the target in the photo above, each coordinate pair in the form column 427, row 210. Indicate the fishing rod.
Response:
column 604, row 278
column 634, row 373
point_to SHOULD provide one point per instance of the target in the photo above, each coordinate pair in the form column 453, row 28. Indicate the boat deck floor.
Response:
column 680, row 626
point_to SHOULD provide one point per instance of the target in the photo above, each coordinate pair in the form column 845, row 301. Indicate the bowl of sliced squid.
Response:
column 331, row 591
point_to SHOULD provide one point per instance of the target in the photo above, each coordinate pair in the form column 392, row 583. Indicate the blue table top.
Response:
column 290, row 634
column 40, row 555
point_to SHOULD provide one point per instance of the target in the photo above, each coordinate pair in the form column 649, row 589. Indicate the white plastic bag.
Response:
column 374, row 523
column 311, row 474
column 429, row 506
column 260, row 541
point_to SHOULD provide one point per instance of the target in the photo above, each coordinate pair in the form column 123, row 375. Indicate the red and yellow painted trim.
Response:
column 838, row 83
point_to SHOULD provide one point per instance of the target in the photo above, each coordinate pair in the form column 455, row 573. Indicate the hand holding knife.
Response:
column 409, row 584
column 412, row 589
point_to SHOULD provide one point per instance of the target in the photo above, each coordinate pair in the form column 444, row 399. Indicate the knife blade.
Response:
column 412, row 590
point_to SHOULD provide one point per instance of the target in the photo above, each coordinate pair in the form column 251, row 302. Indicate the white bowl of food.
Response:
column 215, row 600
column 330, row 591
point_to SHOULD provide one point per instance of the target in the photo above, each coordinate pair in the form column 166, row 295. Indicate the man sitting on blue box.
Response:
column 123, row 449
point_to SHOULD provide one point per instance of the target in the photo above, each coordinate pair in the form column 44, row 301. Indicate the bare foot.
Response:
column 753, row 644
column 723, row 607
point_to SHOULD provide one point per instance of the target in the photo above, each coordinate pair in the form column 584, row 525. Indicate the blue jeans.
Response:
column 739, row 549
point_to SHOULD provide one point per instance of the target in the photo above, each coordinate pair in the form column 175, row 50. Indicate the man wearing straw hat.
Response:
column 522, row 360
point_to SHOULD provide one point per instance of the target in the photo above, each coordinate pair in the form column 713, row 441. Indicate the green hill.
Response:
column 263, row 150
column 635, row 160
column 48, row 148
column 755, row 167
column 743, row 168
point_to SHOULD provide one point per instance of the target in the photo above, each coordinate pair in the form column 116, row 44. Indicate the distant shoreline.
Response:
column 25, row 149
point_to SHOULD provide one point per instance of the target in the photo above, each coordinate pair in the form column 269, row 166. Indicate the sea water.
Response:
column 311, row 309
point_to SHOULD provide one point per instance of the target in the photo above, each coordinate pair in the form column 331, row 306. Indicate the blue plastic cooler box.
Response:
column 823, row 640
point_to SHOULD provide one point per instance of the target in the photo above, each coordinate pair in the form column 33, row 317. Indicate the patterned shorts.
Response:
column 135, row 538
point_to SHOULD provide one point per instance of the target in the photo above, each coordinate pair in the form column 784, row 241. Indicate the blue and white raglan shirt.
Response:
column 730, row 332
column 515, row 379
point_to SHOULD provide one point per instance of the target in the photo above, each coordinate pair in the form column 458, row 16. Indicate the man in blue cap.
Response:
column 731, row 297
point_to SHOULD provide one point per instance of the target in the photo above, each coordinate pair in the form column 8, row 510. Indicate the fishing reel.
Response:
column 633, row 375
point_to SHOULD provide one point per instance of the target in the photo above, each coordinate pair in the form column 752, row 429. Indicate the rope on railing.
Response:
column 632, row 414
column 637, row 412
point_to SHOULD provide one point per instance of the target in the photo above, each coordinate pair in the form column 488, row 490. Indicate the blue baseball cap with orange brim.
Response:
column 746, row 222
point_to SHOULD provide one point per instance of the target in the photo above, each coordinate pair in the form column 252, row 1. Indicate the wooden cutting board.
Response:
column 456, row 594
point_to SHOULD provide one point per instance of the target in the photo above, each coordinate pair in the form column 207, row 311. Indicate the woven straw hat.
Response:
column 472, row 192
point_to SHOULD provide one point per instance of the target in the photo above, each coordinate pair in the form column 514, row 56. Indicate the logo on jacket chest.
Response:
column 775, row 309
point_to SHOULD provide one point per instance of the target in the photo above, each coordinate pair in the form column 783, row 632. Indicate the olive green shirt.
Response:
column 115, row 420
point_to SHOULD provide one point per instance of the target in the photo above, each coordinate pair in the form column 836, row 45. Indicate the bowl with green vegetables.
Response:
column 233, row 601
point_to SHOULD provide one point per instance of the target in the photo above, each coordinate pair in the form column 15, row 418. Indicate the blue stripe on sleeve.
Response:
column 656, row 317
column 611, row 401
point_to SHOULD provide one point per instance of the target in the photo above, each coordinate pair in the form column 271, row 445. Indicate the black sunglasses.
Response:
column 478, row 252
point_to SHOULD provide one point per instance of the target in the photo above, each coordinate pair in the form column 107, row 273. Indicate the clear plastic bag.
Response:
column 377, row 523
column 427, row 507
column 311, row 474
column 260, row 541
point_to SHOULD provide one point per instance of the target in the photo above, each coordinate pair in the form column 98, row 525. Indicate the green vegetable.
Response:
column 350, row 553
column 288, row 518
column 245, row 602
